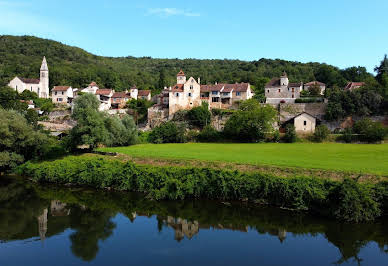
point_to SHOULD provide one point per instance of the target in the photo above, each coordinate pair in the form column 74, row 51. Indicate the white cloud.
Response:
column 171, row 11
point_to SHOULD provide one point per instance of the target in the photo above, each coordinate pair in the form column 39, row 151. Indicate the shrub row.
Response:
column 347, row 200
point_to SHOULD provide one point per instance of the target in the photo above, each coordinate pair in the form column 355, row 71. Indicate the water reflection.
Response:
column 35, row 212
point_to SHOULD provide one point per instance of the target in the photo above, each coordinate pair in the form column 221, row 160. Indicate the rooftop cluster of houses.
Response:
column 189, row 93
column 109, row 99
column 184, row 95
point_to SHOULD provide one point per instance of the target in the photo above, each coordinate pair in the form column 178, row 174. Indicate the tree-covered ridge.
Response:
column 22, row 56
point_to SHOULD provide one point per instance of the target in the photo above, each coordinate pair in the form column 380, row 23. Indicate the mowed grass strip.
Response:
column 362, row 158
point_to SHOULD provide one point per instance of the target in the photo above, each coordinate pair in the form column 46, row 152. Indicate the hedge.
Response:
column 346, row 200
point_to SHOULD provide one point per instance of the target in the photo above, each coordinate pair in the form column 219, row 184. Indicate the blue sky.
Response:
column 339, row 32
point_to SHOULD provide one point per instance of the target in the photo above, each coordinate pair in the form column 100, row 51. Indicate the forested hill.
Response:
column 22, row 56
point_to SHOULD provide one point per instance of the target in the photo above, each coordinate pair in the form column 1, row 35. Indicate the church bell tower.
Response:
column 44, row 80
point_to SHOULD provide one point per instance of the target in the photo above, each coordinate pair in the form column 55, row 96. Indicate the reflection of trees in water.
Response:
column 91, row 226
column 89, row 214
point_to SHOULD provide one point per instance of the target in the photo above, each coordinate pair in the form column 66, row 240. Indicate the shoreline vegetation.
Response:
column 346, row 199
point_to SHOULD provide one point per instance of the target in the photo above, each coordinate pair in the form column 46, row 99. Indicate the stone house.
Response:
column 144, row 95
column 280, row 90
column 104, row 96
column 62, row 95
column 223, row 96
column 39, row 86
column 92, row 88
column 321, row 85
column 187, row 94
column 119, row 99
column 304, row 123
column 353, row 85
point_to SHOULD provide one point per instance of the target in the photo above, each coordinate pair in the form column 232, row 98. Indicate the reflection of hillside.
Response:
column 30, row 211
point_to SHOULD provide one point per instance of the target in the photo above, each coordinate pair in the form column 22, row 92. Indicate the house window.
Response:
column 62, row 92
column 177, row 94
column 293, row 89
column 304, row 122
column 59, row 99
column 279, row 90
column 215, row 99
column 189, row 94
column 292, row 95
column 16, row 87
column 288, row 89
column 214, row 92
column 239, row 93
column 55, row 93
column 268, row 91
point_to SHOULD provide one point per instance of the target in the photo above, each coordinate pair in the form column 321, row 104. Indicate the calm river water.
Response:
column 49, row 225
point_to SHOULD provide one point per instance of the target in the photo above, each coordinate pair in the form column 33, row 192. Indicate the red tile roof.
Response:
column 315, row 83
column 295, row 84
column 120, row 94
column 275, row 82
column 240, row 87
column 181, row 73
column 103, row 91
column 30, row 81
column 60, row 88
column 354, row 85
column 144, row 92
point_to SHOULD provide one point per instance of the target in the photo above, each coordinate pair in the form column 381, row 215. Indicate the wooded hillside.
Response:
column 22, row 56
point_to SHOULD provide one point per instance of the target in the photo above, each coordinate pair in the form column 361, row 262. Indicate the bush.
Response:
column 252, row 123
column 276, row 136
column 347, row 135
column 199, row 116
column 168, row 132
column 290, row 135
column 370, row 131
column 209, row 134
column 321, row 133
column 346, row 200
column 143, row 137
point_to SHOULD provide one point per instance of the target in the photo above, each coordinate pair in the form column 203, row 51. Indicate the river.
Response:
column 51, row 225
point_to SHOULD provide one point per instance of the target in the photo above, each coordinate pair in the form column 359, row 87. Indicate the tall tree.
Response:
column 382, row 70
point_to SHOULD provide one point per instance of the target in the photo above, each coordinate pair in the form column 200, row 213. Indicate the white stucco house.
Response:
column 303, row 122
column 39, row 86
column 62, row 95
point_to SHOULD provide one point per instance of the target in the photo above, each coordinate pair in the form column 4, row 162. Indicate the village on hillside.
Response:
column 298, row 103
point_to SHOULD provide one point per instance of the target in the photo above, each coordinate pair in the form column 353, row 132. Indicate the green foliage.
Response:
column 77, row 68
column 121, row 132
column 365, row 101
column 347, row 135
column 10, row 100
column 32, row 117
column 252, row 123
column 355, row 202
column 382, row 70
column 209, row 134
column 199, row 116
column 290, row 135
column 168, row 132
column 94, row 127
column 19, row 141
column 321, row 133
column 370, row 131
column 309, row 100
column 314, row 90
column 45, row 105
column 346, row 200
column 139, row 108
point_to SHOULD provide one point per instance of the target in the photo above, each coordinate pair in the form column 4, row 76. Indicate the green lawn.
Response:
column 365, row 158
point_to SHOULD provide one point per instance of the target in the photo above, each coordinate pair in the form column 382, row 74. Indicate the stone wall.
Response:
column 219, row 121
column 156, row 115
column 290, row 110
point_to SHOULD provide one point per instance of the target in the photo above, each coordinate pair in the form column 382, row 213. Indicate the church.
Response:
column 39, row 86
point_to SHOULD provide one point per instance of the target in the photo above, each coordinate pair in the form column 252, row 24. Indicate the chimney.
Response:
column 199, row 80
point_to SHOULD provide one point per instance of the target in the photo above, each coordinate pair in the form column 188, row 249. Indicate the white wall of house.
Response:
column 304, row 123
column 62, row 97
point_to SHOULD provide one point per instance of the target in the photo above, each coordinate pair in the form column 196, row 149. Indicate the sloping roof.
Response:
column 353, row 85
column 240, row 87
column 181, row 73
column 300, row 115
column 103, row 91
column 60, row 88
column 315, row 83
column 275, row 82
column 120, row 94
column 144, row 92
column 30, row 81
column 176, row 88
column 92, row 84
column 44, row 64
column 295, row 84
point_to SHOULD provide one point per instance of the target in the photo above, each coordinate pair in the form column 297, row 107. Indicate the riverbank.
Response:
column 347, row 200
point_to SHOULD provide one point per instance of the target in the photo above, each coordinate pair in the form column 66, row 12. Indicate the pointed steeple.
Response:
column 44, row 65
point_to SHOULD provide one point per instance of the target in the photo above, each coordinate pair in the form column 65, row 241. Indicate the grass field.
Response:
column 362, row 158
